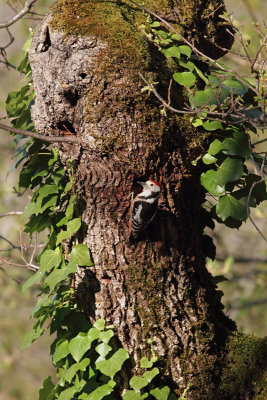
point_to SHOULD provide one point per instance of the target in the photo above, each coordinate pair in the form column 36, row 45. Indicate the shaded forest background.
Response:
column 241, row 255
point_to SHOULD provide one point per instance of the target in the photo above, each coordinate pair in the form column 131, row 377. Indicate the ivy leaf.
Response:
column 49, row 259
column 138, row 382
column 93, row 334
column 172, row 52
column 209, row 159
column 229, row 206
column 145, row 363
column 203, row 98
column 236, row 86
column 99, row 393
column 31, row 336
column 103, row 349
column 111, row 366
column 46, row 390
column 230, row 170
column 106, row 336
column 73, row 225
column 60, row 275
column 185, row 50
column 149, row 375
column 215, row 147
column 185, row 78
column 33, row 280
column 132, row 395
column 80, row 255
column 161, row 393
column 62, row 351
column 67, row 394
column 238, row 145
column 100, row 324
column 207, row 180
column 212, row 125
column 79, row 346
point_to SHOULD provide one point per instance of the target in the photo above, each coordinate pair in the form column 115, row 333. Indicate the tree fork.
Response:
column 86, row 58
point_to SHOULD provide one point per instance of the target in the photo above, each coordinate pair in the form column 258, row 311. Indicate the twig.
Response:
column 203, row 56
column 11, row 213
column 50, row 139
column 27, row 266
column 28, row 5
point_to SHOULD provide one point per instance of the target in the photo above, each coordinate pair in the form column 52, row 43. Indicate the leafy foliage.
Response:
column 221, row 108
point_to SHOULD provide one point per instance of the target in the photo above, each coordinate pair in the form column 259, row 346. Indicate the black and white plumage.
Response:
column 144, row 207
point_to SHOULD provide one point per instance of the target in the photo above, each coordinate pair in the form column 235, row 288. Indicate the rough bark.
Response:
column 89, row 86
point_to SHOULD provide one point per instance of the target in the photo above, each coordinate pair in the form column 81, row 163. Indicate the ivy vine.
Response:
column 87, row 357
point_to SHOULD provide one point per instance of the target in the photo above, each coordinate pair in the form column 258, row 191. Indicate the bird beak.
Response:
column 141, row 183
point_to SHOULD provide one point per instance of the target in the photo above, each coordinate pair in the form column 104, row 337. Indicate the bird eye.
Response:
column 151, row 184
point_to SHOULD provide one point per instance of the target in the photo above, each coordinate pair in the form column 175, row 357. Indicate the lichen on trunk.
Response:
column 86, row 58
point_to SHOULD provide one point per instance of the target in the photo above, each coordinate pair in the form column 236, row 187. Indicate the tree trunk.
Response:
column 86, row 58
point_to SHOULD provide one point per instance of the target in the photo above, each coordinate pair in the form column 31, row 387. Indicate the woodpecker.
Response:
column 144, row 207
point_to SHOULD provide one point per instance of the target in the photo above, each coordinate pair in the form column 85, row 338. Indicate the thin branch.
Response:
column 10, row 213
column 50, row 139
column 203, row 56
column 218, row 116
column 32, row 267
column 28, row 5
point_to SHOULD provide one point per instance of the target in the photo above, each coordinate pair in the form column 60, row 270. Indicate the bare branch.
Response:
column 32, row 267
column 51, row 139
column 28, row 5
column 10, row 213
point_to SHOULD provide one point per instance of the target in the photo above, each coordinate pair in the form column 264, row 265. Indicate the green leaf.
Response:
column 209, row 159
column 60, row 275
column 149, row 375
column 229, row 206
column 238, row 145
column 93, row 334
column 185, row 50
column 99, row 393
column 106, row 336
column 73, row 225
column 203, row 98
column 79, row 345
column 215, row 147
column 81, row 256
column 103, row 349
column 46, row 390
column 138, row 382
column 31, row 336
column 62, row 351
column 100, row 324
column 187, row 64
column 212, row 125
column 67, row 394
column 133, row 395
column 207, row 180
column 161, row 393
column 49, row 259
column 172, row 52
column 62, row 236
column 155, row 24
column 236, row 86
column 185, row 78
column 33, row 280
column 145, row 363
column 230, row 170
column 71, row 372
column 111, row 366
